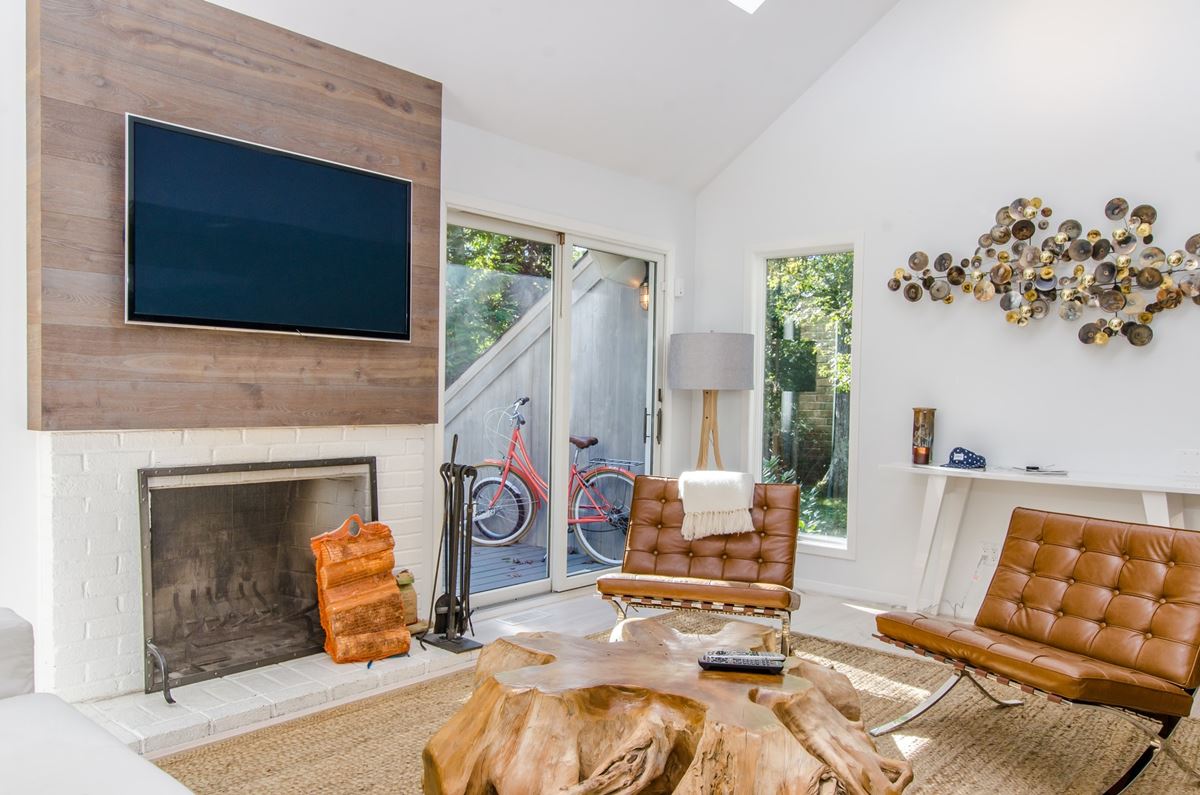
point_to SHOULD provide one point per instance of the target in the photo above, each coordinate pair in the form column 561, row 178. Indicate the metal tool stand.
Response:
column 458, row 481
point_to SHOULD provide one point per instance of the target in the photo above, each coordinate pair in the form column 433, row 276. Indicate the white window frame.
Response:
column 844, row 549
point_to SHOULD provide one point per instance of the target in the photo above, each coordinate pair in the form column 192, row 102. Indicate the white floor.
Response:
column 232, row 705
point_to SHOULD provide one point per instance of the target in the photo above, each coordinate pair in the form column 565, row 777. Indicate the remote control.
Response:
column 743, row 661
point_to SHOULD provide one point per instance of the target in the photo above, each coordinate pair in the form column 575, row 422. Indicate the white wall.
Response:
column 17, row 449
column 941, row 113
column 481, row 169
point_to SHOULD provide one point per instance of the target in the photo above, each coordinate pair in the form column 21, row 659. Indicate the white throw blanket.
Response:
column 716, row 503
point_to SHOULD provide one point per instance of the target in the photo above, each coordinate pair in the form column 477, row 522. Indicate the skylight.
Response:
column 749, row 6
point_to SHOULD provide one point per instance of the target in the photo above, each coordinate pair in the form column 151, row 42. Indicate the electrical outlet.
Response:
column 1187, row 464
column 989, row 556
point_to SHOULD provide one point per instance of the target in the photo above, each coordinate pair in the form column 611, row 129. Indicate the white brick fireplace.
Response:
column 90, row 632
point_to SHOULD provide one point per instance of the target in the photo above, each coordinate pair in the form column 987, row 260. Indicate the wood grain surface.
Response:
column 200, row 65
column 556, row 713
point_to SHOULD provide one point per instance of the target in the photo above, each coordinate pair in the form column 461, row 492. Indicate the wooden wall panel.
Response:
column 200, row 65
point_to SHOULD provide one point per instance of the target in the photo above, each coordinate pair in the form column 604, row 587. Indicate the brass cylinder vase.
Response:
column 922, row 434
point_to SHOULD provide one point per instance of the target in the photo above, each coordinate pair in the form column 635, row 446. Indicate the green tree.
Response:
column 504, row 276
column 815, row 290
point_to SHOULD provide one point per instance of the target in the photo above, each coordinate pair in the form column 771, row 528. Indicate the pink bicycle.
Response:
column 509, row 492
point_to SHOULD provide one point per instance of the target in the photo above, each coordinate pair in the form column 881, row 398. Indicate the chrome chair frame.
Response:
column 1157, row 741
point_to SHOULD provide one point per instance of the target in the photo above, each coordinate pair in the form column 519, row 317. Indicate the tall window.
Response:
column 806, row 389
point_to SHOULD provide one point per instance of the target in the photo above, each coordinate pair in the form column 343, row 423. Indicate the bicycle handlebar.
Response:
column 514, row 411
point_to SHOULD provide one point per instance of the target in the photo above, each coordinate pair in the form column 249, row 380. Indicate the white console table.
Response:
column 946, row 491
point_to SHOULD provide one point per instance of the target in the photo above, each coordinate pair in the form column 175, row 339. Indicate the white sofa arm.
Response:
column 16, row 655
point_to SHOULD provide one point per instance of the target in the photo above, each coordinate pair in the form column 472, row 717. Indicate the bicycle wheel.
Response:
column 504, row 507
column 600, row 513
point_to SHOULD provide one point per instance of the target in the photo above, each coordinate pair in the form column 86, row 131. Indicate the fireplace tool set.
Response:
column 452, row 611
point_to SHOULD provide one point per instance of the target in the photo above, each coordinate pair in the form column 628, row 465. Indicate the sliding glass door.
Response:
column 499, row 312
column 549, row 392
column 612, row 414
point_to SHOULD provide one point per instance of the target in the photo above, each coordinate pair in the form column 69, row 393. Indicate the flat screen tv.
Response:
column 228, row 234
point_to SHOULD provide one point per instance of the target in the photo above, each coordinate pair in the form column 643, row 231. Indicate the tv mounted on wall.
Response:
column 222, row 233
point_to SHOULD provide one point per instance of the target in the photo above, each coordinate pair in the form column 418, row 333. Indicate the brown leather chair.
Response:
column 742, row 574
column 1083, row 612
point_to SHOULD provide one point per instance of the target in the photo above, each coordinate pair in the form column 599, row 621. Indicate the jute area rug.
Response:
column 963, row 745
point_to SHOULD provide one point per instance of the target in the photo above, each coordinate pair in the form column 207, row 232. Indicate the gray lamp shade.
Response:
column 710, row 360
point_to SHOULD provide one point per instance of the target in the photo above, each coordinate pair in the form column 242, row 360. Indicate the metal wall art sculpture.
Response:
column 1123, row 274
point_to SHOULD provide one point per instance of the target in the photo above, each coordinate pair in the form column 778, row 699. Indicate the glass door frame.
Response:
column 481, row 215
column 489, row 223
column 757, row 268
column 561, row 453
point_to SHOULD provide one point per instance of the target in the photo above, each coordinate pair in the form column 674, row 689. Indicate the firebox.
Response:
column 228, row 576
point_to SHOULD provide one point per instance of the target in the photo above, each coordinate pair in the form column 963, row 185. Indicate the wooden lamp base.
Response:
column 708, row 432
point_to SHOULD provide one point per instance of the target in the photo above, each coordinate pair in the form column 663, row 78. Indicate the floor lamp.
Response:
column 710, row 361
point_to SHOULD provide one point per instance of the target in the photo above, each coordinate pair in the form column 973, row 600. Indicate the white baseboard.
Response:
column 850, row 592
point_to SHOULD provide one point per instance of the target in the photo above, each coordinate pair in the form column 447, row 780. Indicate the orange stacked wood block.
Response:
column 361, row 609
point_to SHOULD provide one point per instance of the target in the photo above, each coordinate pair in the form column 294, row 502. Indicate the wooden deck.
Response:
column 514, row 564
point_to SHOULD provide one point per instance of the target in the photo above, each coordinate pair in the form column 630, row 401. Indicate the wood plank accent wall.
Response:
column 203, row 66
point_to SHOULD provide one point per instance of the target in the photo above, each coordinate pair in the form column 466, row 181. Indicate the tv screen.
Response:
column 229, row 234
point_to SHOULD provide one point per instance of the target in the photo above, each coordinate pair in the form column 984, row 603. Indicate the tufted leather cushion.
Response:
column 656, row 546
column 1089, row 599
column 1074, row 676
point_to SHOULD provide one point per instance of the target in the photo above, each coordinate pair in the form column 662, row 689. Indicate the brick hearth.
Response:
column 148, row 724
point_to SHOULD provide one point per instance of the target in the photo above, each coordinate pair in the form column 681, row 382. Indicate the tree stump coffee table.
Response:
column 566, row 715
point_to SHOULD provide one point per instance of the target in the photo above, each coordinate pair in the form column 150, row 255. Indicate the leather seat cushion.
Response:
column 657, row 586
column 1067, row 674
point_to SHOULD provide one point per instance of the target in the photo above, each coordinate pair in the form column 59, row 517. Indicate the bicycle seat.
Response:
column 584, row 442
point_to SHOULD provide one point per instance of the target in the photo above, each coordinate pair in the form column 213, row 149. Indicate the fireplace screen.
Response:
column 228, row 574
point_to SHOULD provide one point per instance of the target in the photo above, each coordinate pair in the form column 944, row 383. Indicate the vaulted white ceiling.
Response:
column 669, row 90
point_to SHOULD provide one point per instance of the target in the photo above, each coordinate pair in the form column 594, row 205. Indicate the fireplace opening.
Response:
column 229, row 579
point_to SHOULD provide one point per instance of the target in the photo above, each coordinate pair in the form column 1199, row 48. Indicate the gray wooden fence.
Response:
column 609, row 349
